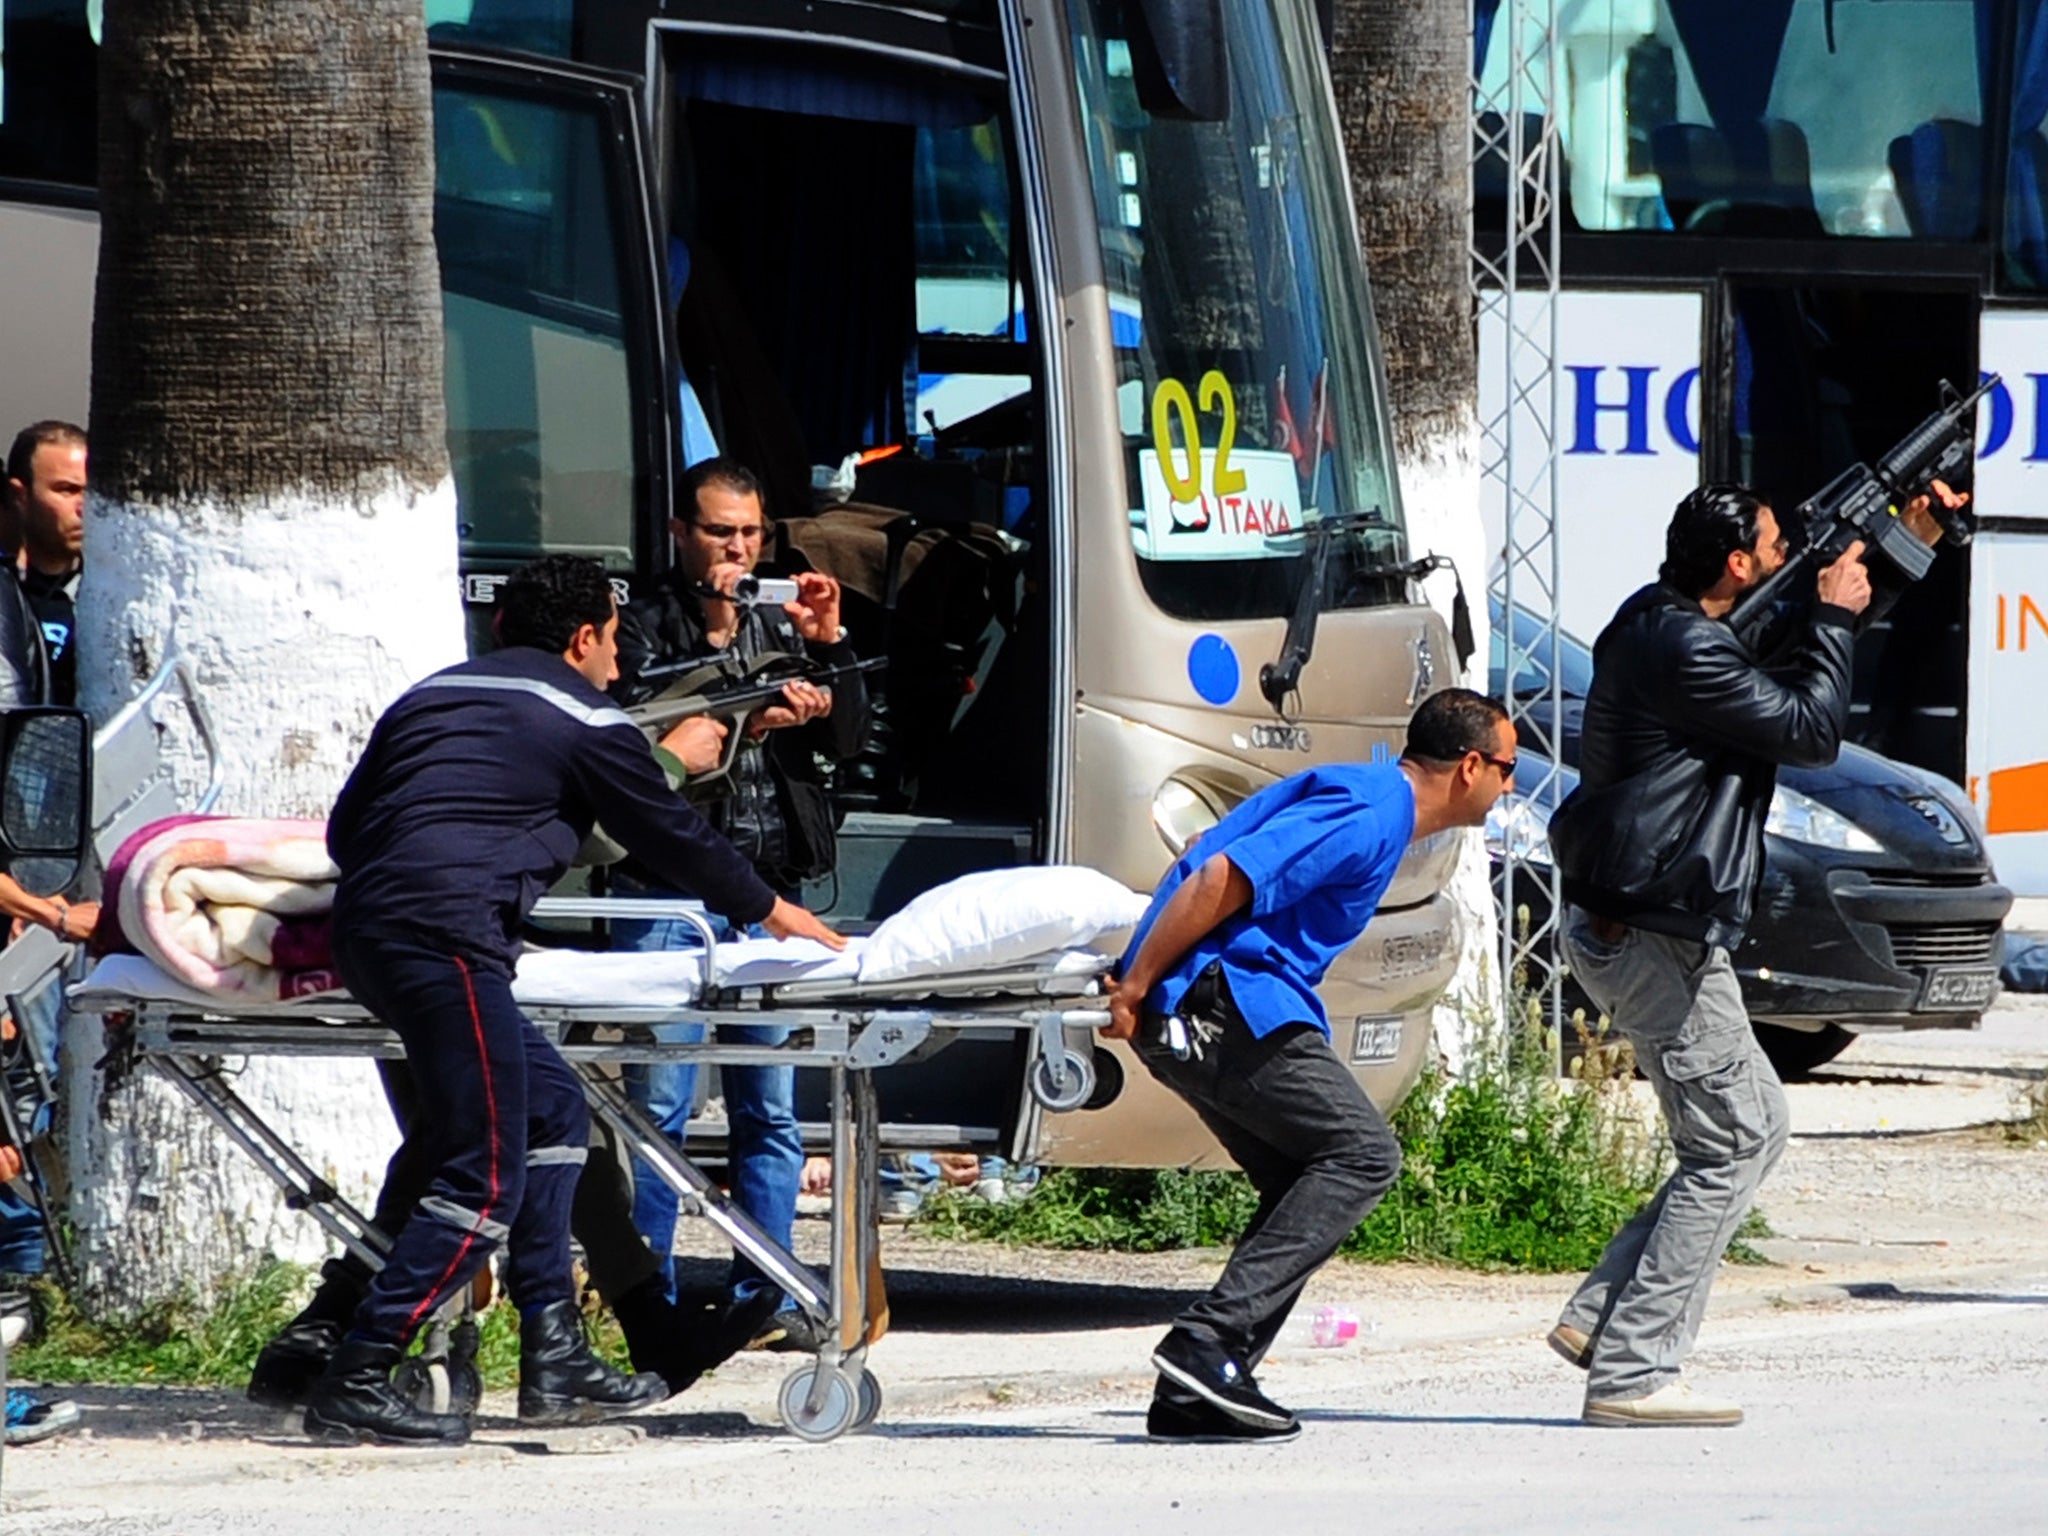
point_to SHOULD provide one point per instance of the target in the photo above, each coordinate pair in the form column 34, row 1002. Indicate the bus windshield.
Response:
column 1248, row 384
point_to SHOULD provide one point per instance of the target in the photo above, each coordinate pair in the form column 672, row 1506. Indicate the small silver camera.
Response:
column 764, row 589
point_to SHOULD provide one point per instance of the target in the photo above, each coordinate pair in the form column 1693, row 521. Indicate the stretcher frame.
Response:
column 849, row 1029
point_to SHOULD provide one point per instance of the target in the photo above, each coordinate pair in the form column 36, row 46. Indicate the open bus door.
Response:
column 561, row 421
column 1808, row 376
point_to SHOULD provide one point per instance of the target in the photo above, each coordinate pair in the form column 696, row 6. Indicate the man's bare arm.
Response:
column 1214, row 893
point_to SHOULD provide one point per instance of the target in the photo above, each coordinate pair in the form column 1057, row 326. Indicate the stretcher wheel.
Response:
column 870, row 1395
column 1080, row 1084
column 426, row 1384
column 835, row 1415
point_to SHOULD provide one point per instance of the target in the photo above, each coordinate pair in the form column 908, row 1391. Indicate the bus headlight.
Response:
column 1183, row 808
column 1806, row 820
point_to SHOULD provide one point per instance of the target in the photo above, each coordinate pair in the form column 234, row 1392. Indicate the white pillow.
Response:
column 997, row 916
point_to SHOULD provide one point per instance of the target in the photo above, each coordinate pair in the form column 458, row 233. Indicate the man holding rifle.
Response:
column 1660, row 849
column 772, row 803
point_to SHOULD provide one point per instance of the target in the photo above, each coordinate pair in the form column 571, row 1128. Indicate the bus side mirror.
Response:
column 45, row 814
column 1178, row 61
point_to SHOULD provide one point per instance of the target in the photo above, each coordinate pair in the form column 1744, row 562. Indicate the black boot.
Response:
column 354, row 1400
column 292, row 1361
column 562, row 1382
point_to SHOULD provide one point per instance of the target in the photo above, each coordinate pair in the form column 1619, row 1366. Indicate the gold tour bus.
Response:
column 1044, row 325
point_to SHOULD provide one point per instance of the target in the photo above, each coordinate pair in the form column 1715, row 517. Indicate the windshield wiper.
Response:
column 1280, row 678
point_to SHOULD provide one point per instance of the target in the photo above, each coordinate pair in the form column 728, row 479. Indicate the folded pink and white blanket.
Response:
column 235, row 908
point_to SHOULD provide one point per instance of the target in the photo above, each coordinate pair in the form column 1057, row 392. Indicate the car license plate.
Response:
column 1956, row 987
column 1375, row 1037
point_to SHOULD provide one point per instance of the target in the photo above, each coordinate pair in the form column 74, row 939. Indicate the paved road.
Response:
column 1892, row 1359
column 1914, row 1413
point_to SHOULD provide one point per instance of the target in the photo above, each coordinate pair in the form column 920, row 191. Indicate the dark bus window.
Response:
column 49, row 91
column 540, row 419
column 970, row 286
column 1774, row 118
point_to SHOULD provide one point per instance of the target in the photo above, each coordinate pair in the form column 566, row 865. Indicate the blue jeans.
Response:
column 21, row 1227
column 765, row 1148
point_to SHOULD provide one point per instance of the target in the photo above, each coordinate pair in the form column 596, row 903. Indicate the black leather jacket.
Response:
column 1683, row 733
column 24, row 655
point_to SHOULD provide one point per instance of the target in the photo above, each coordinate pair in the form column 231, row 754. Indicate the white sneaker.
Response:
column 1675, row 1406
column 11, row 1329
column 994, row 1191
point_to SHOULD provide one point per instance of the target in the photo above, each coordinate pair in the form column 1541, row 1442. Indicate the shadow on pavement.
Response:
column 1373, row 1416
column 1884, row 1290
column 974, row 1429
column 939, row 1301
column 173, row 1413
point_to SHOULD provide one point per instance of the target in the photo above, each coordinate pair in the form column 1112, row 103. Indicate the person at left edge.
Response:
column 476, row 789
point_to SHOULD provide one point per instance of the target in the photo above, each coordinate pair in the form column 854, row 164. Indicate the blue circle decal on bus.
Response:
column 1212, row 668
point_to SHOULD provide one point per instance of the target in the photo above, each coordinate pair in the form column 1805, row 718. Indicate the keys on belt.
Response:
column 1187, row 1037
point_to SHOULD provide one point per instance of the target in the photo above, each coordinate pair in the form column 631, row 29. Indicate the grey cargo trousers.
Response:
column 1678, row 1003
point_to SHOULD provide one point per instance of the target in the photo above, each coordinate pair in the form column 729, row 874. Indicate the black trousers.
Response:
column 1316, row 1149
column 600, row 1218
column 501, row 1120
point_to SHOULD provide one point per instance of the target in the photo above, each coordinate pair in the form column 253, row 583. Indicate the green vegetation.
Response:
column 185, row 1343
column 1506, row 1167
column 188, row 1344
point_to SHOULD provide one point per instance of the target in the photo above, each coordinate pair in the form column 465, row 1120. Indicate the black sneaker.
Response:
column 1192, row 1421
column 1203, row 1368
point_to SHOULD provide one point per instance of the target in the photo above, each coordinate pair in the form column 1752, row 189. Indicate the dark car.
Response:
column 1878, row 910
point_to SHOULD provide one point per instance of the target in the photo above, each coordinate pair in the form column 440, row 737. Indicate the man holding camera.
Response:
column 1661, row 849
column 714, row 603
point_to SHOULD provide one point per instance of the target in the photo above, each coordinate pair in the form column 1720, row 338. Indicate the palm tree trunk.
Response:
column 270, row 484
column 1402, row 74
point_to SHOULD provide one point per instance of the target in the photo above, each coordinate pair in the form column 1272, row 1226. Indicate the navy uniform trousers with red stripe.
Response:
column 506, row 1126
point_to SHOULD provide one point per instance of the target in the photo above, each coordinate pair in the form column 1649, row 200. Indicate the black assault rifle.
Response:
column 729, row 691
column 1865, row 502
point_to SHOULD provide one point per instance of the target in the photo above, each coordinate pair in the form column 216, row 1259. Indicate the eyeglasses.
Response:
column 1506, row 765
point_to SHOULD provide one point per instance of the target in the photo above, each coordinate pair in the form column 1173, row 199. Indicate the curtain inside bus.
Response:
column 803, row 191
column 1733, row 46
column 2026, row 194
column 1483, row 13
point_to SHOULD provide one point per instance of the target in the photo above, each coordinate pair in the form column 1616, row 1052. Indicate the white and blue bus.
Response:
column 1785, row 222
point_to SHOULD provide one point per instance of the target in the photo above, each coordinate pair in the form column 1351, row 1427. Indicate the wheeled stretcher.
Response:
column 602, row 1010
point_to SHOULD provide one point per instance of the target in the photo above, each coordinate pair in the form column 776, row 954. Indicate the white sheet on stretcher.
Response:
column 570, row 978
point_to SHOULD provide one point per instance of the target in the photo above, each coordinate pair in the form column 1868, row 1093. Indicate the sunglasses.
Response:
column 1506, row 765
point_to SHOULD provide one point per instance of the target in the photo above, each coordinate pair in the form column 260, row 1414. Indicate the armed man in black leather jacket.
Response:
column 1661, row 849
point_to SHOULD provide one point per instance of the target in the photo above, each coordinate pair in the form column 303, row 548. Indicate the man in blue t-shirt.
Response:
column 1217, row 995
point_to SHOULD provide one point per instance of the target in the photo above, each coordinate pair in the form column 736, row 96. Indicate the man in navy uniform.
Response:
column 1217, row 995
column 477, row 788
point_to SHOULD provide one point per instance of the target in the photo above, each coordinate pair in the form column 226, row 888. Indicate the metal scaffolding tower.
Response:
column 1516, row 149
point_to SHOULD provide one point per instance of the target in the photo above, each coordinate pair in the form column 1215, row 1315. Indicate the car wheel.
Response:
column 1796, row 1052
